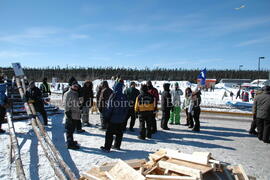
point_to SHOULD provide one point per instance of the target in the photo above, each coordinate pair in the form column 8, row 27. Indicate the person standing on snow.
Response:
column 131, row 94
column 72, row 114
column 176, row 102
column 154, row 92
column 195, row 110
column 102, row 103
column 186, row 105
column 87, row 102
column 45, row 88
column 3, row 102
column 166, row 106
column 261, row 110
column 115, row 114
column 34, row 95
column 145, row 106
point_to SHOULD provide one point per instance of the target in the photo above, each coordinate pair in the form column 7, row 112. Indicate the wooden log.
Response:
column 122, row 171
column 15, row 147
column 199, row 159
column 180, row 169
column 48, row 140
column 89, row 176
column 161, row 177
column 54, row 164
column 134, row 163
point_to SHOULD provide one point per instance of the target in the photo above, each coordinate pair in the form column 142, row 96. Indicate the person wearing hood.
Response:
column 166, row 106
column 102, row 102
column 115, row 115
column 34, row 95
column 176, row 101
column 3, row 102
column 72, row 114
column 145, row 106
column 131, row 94
column 261, row 111
column 87, row 101
column 154, row 92
column 45, row 88
column 70, row 82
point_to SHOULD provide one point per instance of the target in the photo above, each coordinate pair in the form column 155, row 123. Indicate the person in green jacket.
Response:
column 176, row 101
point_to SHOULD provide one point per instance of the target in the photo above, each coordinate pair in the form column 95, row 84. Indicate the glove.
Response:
column 68, row 114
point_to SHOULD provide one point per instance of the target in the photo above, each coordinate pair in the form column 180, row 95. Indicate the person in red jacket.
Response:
column 154, row 92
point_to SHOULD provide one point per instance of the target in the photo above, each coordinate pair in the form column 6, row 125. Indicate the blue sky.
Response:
column 185, row 34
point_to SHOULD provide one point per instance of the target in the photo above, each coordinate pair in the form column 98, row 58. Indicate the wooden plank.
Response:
column 203, row 168
column 109, row 175
column 161, row 177
column 199, row 159
column 180, row 169
column 89, row 176
column 239, row 172
column 158, row 155
column 134, row 163
column 243, row 172
column 95, row 172
column 122, row 171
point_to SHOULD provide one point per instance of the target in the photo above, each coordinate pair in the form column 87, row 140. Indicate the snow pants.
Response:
column 117, row 130
column 146, row 118
column 85, row 114
column 263, row 127
column 175, row 115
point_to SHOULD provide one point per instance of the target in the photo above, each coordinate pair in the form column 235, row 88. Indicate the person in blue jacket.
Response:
column 115, row 113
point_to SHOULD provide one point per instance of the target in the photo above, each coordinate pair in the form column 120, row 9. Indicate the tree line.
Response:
column 81, row 74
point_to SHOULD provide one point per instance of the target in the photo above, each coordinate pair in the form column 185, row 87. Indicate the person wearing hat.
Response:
column 131, row 94
column 195, row 110
column 166, row 106
column 34, row 95
column 72, row 114
column 145, row 106
column 261, row 111
column 115, row 115
column 176, row 101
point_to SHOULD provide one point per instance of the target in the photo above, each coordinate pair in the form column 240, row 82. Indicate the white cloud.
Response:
column 254, row 41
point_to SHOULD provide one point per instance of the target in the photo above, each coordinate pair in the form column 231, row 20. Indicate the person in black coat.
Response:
column 115, row 115
column 34, row 95
column 166, row 106
column 131, row 94
column 45, row 88
column 87, row 95
column 102, row 103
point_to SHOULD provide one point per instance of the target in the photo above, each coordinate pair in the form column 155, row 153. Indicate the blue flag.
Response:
column 202, row 76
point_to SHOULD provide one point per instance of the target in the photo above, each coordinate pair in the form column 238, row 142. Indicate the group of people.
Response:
column 117, row 106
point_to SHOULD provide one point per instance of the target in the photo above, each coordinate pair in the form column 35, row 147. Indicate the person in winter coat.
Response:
column 34, row 95
column 261, row 110
column 102, row 103
column 176, row 101
column 195, row 110
column 145, row 106
column 3, row 102
column 245, row 96
column 154, row 92
column 71, row 81
column 72, row 114
column 238, row 94
column 186, row 105
column 45, row 88
column 166, row 106
column 115, row 115
column 131, row 94
column 87, row 102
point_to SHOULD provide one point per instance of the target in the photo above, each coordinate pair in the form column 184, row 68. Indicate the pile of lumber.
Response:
column 168, row 164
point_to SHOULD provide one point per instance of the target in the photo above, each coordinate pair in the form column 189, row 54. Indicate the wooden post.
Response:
column 15, row 147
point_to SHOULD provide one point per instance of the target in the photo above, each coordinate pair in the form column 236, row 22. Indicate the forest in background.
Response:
column 81, row 74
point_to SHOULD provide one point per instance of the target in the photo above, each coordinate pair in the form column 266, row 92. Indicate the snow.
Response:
column 228, row 141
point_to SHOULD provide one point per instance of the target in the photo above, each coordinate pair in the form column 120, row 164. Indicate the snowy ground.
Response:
column 228, row 141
